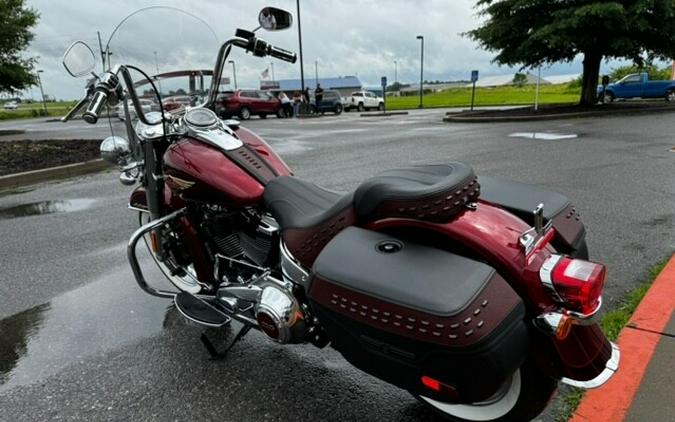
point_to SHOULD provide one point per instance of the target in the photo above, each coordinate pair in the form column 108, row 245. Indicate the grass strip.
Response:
column 612, row 323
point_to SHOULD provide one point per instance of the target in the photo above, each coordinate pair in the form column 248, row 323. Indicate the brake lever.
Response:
column 75, row 109
column 89, row 90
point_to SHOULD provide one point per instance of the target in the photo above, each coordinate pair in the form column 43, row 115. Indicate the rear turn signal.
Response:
column 575, row 283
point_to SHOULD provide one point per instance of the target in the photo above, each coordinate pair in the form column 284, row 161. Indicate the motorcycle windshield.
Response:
column 174, row 48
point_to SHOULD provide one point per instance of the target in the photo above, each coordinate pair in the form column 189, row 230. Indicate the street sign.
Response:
column 474, row 78
column 384, row 94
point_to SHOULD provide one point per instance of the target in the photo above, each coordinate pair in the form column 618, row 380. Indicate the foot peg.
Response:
column 200, row 311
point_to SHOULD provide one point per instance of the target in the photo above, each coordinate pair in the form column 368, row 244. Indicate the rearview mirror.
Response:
column 79, row 59
column 273, row 19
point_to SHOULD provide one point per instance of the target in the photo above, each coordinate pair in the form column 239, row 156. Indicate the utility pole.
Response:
column 302, row 69
column 316, row 72
column 273, row 78
column 395, row 71
column 536, row 95
column 234, row 74
column 44, row 103
column 421, row 38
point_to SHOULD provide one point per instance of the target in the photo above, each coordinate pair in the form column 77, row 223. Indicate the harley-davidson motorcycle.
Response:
column 473, row 293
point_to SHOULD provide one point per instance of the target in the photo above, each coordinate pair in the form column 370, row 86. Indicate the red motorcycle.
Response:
column 473, row 293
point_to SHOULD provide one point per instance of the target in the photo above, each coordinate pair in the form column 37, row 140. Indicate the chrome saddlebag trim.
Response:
column 611, row 367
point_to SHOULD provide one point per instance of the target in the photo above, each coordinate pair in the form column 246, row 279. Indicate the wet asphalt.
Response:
column 80, row 341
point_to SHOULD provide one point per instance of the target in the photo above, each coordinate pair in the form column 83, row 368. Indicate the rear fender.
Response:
column 493, row 234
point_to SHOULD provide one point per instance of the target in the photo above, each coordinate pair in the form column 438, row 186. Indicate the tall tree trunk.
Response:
column 589, row 85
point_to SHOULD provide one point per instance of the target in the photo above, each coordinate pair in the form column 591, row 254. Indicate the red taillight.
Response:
column 577, row 283
column 444, row 390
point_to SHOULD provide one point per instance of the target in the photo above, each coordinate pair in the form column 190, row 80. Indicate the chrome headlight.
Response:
column 116, row 150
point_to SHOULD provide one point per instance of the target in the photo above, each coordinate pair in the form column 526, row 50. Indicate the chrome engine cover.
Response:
column 279, row 315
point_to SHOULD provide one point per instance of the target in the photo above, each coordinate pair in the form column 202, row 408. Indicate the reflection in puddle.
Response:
column 46, row 207
column 547, row 136
column 98, row 317
column 15, row 333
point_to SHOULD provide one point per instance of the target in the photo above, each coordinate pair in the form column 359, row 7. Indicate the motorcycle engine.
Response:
column 279, row 315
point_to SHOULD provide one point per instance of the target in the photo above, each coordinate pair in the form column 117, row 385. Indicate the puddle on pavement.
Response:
column 546, row 136
column 93, row 319
column 46, row 207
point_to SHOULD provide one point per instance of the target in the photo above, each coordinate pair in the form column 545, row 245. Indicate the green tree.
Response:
column 519, row 79
column 535, row 32
column 16, row 20
column 654, row 72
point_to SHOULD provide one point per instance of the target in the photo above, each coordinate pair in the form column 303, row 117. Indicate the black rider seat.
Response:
column 430, row 192
column 310, row 216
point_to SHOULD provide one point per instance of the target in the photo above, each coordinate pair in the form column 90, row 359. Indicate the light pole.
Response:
column 421, row 38
column 316, row 72
column 302, row 69
column 159, row 82
column 272, row 65
column 44, row 104
column 395, row 71
column 234, row 74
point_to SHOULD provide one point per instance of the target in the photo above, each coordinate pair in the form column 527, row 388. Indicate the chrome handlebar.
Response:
column 95, row 106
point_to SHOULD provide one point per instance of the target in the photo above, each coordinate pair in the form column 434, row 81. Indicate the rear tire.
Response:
column 523, row 397
column 361, row 107
column 380, row 107
column 245, row 113
column 338, row 109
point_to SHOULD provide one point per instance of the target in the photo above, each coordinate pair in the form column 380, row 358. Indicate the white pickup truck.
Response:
column 362, row 100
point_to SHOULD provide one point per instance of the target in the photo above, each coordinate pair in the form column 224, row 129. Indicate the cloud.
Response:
column 343, row 37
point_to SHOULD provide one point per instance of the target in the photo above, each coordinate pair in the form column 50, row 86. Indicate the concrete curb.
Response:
column 638, row 341
column 50, row 174
column 386, row 114
column 502, row 119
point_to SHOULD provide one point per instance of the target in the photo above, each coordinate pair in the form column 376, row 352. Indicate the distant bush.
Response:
column 654, row 72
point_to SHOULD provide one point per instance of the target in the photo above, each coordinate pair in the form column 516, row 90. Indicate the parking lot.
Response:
column 82, row 342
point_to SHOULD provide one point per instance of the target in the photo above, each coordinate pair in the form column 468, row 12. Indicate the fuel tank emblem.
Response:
column 177, row 183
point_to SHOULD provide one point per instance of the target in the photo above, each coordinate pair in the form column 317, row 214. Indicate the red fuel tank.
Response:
column 199, row 171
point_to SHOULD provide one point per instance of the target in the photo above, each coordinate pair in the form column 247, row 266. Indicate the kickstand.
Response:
column 216, row 355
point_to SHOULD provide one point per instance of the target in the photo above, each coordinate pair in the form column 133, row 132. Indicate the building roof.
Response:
column 502, row 80
column 562, row 79
column 326, row 83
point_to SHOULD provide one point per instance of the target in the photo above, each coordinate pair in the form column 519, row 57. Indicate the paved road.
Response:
column 81, row 342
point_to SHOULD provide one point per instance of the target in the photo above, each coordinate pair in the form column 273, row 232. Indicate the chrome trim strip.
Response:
column 133, row 259
column 131, row 207
column 611, row 367
column 545, row 276
column 290, row 268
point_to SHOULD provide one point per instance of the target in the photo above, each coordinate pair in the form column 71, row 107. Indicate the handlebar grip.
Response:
column 282, row 54
column 95, row 106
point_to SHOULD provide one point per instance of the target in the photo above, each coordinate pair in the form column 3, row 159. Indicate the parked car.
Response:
column 331, row 102
column 638, row 85
column 363, row 100
column 11, row 105
column 146, row 105
column 176, row 102
column 247, row 102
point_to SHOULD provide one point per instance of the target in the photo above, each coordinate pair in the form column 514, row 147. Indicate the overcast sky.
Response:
column 345, row 37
